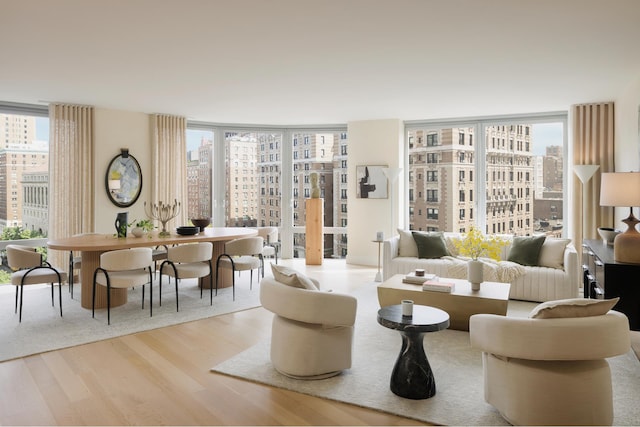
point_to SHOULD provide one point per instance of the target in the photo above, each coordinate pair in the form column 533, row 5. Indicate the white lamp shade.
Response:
column 585, row 172
column 391, row 173
column 620, row 189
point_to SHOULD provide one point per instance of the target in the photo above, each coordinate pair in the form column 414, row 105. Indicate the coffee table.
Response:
column 492, row 298
column 412, row 376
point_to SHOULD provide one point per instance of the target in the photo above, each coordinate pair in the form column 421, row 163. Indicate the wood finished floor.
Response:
column 161, row 377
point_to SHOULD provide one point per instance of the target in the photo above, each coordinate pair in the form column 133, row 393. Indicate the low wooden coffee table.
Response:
column 492, row 298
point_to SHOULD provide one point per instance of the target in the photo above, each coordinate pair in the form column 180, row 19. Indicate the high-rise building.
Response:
column 442, row 176
column 15, row 160
column 35, row 202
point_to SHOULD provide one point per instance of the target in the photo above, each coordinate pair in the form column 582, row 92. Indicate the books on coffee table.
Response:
column 412, row 279
column 437, row 286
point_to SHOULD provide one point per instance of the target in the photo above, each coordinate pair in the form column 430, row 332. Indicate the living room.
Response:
column 372, row 66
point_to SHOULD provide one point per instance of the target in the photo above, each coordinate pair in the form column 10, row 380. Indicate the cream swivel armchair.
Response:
column 32, row 270
column 240, row 255
column 550, row 371
column 123, row 268
column 312, row 330
column 187, row 262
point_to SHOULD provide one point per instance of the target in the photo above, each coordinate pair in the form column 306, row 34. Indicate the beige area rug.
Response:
column 42, row 329
column 457, row 368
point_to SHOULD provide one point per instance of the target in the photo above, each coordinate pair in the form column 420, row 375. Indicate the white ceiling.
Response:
column 319, row 61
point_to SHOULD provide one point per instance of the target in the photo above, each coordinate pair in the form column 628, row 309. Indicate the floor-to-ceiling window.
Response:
column 24, row 172
column 260, row 176
column 505, row 175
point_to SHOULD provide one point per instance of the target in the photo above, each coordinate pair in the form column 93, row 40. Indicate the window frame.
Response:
column 480, row 123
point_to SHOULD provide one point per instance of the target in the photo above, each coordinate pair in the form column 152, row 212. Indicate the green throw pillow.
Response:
column 430, row 245
column 526, row 250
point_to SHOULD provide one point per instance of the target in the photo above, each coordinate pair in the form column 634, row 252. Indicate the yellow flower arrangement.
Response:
column 475, row 244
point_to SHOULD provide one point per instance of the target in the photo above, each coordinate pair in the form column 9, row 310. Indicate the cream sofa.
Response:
column 527, row 283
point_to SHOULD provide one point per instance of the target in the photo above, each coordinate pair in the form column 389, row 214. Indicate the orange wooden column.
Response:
column 314, row 238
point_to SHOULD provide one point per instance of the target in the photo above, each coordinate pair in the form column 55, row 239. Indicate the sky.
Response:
column 544, row 135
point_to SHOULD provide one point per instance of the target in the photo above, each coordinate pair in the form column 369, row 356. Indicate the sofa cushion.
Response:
column 552, row 253
column 573, row 307
column 430, row 245
column 526, row 250
column 407, row 245
column 289, row 276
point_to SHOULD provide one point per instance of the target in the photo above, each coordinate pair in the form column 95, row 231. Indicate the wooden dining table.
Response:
column 91, row 246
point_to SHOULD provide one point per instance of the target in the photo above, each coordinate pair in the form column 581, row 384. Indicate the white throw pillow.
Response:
column 573, row 307
column 289, row 276
column 407, row 245
column 552, row 253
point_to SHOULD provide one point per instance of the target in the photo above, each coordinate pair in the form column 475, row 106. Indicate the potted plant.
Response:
column 142, row 227
column 475, row 245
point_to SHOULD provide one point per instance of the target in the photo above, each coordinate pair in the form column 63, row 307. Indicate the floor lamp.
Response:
column 584, row 174
column 392, row 175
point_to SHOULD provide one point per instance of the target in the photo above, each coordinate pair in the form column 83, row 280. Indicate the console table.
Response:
column 606, row 278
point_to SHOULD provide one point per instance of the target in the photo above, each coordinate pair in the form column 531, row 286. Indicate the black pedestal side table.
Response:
column 412, row 376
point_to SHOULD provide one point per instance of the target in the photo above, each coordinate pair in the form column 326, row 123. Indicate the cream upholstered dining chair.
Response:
column 123, row 268
column 270, row 248
column 312, row 330
column 187, row 262
column 550, row 368
column 32, row 270
column 240, row 254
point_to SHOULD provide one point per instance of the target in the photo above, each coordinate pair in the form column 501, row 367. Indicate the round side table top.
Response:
column 424, row 319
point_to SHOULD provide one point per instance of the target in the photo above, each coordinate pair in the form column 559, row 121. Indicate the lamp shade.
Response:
column 620, row 189
column 585, row 172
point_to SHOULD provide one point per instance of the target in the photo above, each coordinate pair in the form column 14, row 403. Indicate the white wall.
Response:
column 627, row 138
column 373, row 142
column 114, row 130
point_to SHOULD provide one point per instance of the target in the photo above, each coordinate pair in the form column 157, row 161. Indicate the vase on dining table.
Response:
column 122, row 224
column 475, row 274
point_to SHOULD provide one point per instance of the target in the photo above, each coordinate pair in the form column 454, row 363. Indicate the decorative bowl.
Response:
column 187, row 230
column 608, row 234
column 201, row 222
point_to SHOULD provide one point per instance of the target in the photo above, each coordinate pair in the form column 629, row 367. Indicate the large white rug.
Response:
column 457, row 368
column 42, row 328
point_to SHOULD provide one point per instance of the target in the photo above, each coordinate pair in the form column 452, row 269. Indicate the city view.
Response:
column 522, row 176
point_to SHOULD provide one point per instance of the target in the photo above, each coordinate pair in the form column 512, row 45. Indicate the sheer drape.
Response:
column 169, row 166
column 593, row 143
column 71, row 177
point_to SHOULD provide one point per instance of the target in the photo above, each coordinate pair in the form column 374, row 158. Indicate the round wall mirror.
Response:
column 123, row 180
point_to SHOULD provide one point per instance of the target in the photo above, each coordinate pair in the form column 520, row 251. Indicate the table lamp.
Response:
column 623, row 189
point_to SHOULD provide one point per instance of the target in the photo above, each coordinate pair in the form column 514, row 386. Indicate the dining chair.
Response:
column 239, row 255
column 270, row 248
column 187, row 262
column 31, row 269
column 123, row 268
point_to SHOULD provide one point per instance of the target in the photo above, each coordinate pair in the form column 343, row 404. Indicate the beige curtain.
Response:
column 169, row 166
column 593, row 144
column 71, row 177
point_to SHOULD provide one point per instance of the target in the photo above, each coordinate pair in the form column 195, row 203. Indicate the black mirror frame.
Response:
column 124, row 155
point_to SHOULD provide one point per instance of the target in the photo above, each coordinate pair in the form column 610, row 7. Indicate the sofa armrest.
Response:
column 389, row 251
column 578, row 338
column 309, row 306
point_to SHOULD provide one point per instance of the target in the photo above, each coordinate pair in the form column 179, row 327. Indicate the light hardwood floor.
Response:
column 161, row 377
